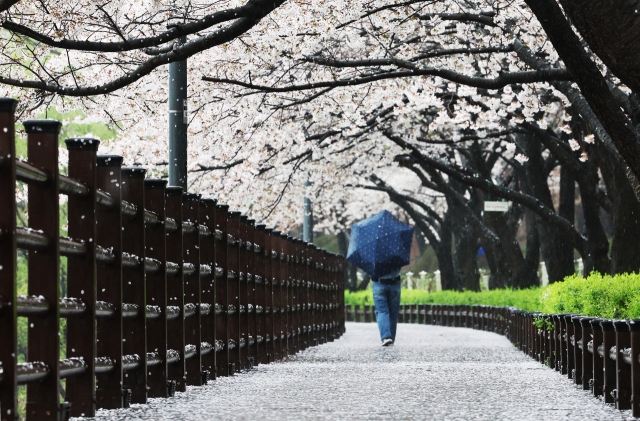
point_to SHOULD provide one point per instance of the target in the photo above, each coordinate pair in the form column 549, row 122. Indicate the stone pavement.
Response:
column 433, row 373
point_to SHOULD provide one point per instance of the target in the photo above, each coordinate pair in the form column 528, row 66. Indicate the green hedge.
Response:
column 616, row 297
column 602, row 296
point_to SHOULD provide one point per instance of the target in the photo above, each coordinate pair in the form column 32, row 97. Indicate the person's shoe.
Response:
column 387, row 342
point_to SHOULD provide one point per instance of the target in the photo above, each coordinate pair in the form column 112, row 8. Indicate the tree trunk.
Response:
column 567, row 208
column 625, row 214
column 508, row 257
column 612, row 29
column 445, row 258
column 527, row 274
column 466, row 255
column 555, row 247
column 596, row 256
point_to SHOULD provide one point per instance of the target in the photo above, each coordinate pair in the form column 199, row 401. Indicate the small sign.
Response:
column 185, row 112
column 496, row 206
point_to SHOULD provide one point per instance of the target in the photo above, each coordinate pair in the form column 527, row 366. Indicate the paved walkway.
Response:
column 433, row 373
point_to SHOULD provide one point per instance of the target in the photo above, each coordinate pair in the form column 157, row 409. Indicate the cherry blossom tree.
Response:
column 475, row 100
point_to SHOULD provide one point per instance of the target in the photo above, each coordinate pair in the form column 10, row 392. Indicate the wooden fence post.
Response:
column 8, row 262
column 260, row 279
column 175, row 289
column 208, row 288
column 44, row 268
column 269, row 308
column 303, row 294
column 277, row 295
column 251, row 291
column 109, row 236
column 222, row 328
column 82, row 275
column 233, row 293
column 285, row 283
column 294, row 280
column 156, row 288
column 243, row 293
column 192, row 289
column 134, row 281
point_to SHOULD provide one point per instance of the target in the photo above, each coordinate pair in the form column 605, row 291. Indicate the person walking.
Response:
column 380, row 245
column 386, row 297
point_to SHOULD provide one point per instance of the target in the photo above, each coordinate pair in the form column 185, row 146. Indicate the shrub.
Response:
column 616, row 297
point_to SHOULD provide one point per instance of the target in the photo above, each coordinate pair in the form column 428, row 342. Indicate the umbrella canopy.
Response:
column 380, row 244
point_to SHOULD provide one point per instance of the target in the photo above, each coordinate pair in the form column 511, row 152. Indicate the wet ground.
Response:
column 432, row 373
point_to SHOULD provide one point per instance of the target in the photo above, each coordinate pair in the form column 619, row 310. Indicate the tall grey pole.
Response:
column 307, row 222
column 178, row 122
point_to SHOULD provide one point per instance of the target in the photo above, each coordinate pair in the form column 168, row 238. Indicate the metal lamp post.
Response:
column 178, row 120
column 307, row 223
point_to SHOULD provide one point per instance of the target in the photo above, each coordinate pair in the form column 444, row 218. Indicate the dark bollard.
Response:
column 548, row 341
column 597, row 381
column 569, row 345
column 609, row 365
column 367, row 314
column 623, row 369
column 358, row 314
column 557, row 336
column 471, row 316
column 587, row 354
column 421, row 314
column 510, row 316
column 634, row 356
column 562, row 343
column 525, row 325
column 577, row 349
column 451, row 312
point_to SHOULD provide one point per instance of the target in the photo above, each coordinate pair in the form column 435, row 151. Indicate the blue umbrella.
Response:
column 380, row 244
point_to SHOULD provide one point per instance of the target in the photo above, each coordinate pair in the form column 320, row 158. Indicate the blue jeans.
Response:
column 387, row 301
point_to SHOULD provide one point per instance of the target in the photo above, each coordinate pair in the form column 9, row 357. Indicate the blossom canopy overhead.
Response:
column 380, row 244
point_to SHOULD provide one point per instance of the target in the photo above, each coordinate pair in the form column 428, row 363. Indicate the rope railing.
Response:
column 164, row 288
column 609, row 364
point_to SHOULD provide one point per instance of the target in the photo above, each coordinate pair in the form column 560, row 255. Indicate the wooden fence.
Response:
column 164, row 288
column 601, row 355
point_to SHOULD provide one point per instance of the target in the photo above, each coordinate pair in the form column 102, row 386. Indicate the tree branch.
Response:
column 592, row 85
column 179, row 53
column 461, row 17
column 506, row 78
column 546, row 214
column 170, row 34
